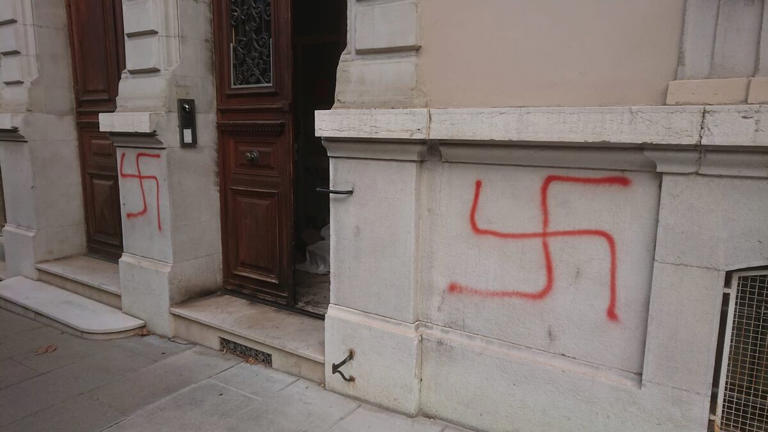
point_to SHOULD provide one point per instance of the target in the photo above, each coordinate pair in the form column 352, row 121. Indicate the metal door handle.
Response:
column 335, row 191
column 252, row 156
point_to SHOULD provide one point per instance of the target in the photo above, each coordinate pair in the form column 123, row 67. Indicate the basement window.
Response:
column 742, row 376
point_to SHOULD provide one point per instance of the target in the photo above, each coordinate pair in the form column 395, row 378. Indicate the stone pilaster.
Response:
column 378, row 69
column 172, row 251
column 38, row 141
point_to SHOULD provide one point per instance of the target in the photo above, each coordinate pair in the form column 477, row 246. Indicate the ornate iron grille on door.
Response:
column 251, row 23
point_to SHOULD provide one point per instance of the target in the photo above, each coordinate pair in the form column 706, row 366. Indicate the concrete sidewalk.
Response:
column 152, row 384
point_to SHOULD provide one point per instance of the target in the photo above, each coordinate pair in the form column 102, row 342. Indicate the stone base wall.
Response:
column 540, row 269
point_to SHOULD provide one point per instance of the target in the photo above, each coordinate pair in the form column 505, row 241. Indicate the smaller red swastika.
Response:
column 141, row 179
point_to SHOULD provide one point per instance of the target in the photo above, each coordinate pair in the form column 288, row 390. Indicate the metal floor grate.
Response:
column 250, row 355
column 743, row 399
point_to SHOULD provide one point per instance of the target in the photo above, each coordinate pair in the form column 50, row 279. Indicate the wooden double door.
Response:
column 256, row 43
column 98, row 59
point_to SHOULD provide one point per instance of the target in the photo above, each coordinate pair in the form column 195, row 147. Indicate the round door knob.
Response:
column 252, row 156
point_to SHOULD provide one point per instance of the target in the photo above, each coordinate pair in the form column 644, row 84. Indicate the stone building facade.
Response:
column 541, row 215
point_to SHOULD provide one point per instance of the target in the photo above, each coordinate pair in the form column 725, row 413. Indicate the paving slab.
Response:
column 27, row 341
column 12, row 372
column 69, row 349
column 11, row 323
column 134, row 391
column 369, row 419
column 78, row 414
column 302, row 406
column 153, row 384
column 201, row 407
column 84, row 351
column 27, row 397
column 256, row 380
column 79, row 313
column 152, row 347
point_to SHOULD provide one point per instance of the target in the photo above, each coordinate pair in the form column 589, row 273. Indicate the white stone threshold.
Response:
column 89, row 277
column 294, row 343
column 87, row 317
column 89, row 271
column 289, row 331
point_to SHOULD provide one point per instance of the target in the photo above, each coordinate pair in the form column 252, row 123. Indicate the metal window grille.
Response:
column 742, row 403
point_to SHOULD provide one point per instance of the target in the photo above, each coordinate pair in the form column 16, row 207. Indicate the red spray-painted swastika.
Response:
column 545, row 235
column 141, row 179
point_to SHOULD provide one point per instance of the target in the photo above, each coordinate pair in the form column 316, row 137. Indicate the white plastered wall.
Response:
column 499, row 53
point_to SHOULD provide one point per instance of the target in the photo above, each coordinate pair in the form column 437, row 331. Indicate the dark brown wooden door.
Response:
column 255, row 128
column 98, row 58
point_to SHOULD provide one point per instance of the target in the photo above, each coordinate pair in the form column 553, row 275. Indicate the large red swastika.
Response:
column 545, row 234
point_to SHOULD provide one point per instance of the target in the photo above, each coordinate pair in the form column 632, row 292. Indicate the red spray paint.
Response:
column 545, row 235
column 141, row 179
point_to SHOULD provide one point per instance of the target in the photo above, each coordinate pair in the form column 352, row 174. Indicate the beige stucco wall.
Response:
column 494, row 53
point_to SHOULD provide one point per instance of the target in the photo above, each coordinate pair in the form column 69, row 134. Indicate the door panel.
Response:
column 255, row 216
column 102, row 191
column 97, row 47
column 257, row 208
column 102, row 195
column 253, row 61
column 96, row 36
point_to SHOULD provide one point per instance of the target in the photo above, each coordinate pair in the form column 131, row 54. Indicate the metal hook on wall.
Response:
column 335, row 367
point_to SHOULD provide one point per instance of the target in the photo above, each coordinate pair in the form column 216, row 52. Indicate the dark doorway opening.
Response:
column 319, row 37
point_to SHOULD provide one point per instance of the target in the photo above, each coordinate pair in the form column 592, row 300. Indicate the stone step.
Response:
column 65, row 310
column 89, row 277
column 295, row 342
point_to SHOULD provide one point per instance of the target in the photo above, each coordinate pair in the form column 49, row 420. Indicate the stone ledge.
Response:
column 712, row 140
column 604, row 126
column 758, row 90
column 616, row 127
column 130, row 122
column 9, row 131
column 708, row 91
column 388, row 124
column 735, row 126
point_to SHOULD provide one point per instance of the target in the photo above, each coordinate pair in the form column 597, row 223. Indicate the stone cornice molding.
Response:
column 714, row 140
column 8, row 129
column 130, row 122
column 132, row 129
